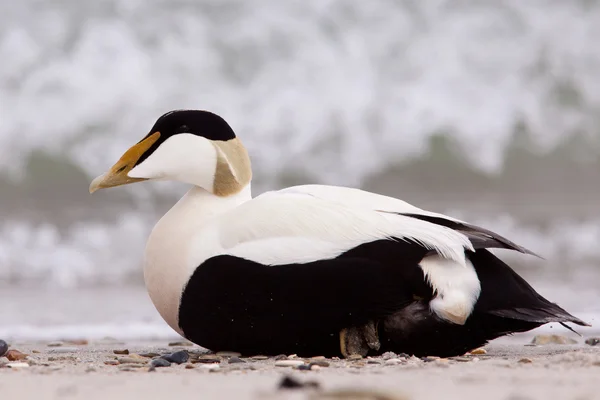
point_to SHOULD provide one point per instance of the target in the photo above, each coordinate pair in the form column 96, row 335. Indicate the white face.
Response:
column 183, row 157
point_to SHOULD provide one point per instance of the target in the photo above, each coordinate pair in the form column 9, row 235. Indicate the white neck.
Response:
column 167, row 264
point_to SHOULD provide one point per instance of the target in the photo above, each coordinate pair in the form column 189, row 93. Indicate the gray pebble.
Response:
column 281, row 357
column 121, row 352
column 236, row 360
column 591, row 341
column 179, row 357
column 260, row 358
column 304, row 367
column 159, row 362
column 3, row 347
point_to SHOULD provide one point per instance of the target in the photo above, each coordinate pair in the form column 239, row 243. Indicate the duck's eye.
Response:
column 183, row 129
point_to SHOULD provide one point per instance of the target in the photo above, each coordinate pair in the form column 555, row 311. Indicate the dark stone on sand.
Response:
column 207, row 359
column 304, row 367
column 594, row 341
column 236, row 360
column 179, row 357
column 149, row 355
column 121, row 352
column 159, row 362
column 3, row 348
column 290, row 383
column 281, row 357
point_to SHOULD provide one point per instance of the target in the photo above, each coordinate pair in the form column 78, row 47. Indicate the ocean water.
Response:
column 485, row 110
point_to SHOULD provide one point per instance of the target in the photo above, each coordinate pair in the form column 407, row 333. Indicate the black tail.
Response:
column 507, row 304
column 506, row 294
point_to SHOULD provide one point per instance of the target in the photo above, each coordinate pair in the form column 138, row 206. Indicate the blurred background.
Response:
column 485, row 110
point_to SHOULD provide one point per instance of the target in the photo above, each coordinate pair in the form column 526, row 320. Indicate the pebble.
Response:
column 354, row 357
column 78, row 342
column 159, row 362
column 3, row 348
column 394, row 361
column 430, row 358
column 181, row 343
column 525, row 361
column 210, row 367
column 371, row 361
column 236, row 360
column 461, row 359
column 388, row 355
column 60, row 350
column 179, row 357
column 150, row 355
column 303, row 367
column 281, row 357
column 289, row 363
column 55, row 344
column 478, row 352
column 15, row 355
column 132, row 360
column 290, row 383
column 35, row 351
column 189, row 366
column 121, row 352
column 591, row 341
column 111, row 362
column 552, row 339
column 261, row 358
column 17, row 365
column 207, row 359
column 3, row 360
column 228, row 354
column 320, row 363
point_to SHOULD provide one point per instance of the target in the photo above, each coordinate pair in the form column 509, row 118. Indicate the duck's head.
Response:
column 191, row 146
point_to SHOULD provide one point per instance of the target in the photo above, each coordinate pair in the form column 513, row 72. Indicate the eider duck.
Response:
column 314, row 269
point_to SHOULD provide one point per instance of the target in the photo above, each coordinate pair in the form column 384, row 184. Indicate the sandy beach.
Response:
column 510, row 369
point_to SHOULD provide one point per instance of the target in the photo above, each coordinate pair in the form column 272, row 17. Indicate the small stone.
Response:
column 159, row 362
column 236, row 360
column 181, row 343
column 320, row 363
column 132, row 360
column 461, row 359
column 3, row 348
column 291, row 383
column 289, row 363
column 55, row 344
column 78, row 342
column 189, row 366
column 479, row 351
column 394, row 361
column 15, row 355
column 403, row 355
column 60, row 350
column 17, row 365
column 207, row 359
column 372, row 361
column 121, row 352
column 292, row 356
column 525, row 361
column 149, row 355
column 35, row 351
column 591, row 342
column 429, row 358
column 262, row 358
column 111, row 362
column 314, row 367
column 281, row 357
column 552, row 339
column 209, row 367
column 228, row 354
column 354, row 357
column 388, row 355
column 179, row 357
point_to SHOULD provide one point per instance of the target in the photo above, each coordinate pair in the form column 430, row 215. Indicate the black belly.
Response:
column 233, row 304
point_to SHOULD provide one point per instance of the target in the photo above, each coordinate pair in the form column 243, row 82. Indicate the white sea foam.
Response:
column 346, row 86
